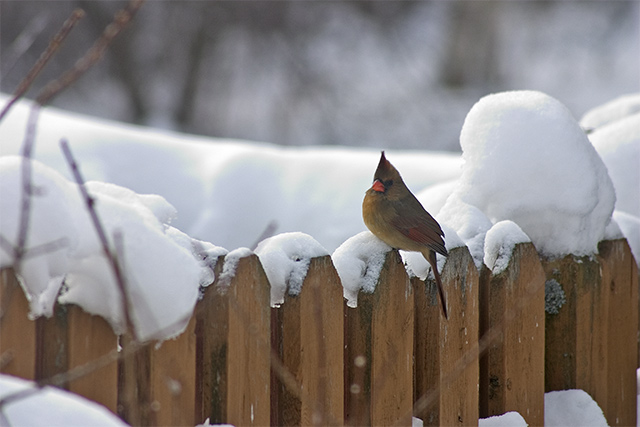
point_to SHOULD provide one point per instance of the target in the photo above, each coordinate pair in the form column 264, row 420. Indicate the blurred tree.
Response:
column 385, row 74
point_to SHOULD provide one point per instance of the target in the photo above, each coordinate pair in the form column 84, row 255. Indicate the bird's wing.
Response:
column 422, row 228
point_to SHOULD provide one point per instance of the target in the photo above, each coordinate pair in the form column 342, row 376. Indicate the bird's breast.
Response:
column 378, row 214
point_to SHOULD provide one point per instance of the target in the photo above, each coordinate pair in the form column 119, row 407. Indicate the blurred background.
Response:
column 386, row 74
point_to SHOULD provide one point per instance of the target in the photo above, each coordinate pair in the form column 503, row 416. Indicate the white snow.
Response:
column 162, row 272
column 509, row 419
column 566, row 408
column 499, row 243
column 469, row 222
column 229, row 267
column 285, row 259
column 616, row 109
column 52, row 406
column 227, row 191
column 359, row 261
column 618, row 144
column 54, row 217
column 527, row 160
column 572, row 408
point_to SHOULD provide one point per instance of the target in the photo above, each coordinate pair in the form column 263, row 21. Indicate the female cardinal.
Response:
column 392, row 213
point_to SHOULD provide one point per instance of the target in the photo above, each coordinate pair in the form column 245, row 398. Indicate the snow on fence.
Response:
column 538, row 325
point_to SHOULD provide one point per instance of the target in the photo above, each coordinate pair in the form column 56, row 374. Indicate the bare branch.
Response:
column 102, row 236
column 268, row 231
column 93, row 55
column 27, row 187
column 53, row 47
column 46, row 248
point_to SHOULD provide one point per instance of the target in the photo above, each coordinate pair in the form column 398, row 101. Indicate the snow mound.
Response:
column 618, row 144
column 569, row 408
column 611, row 111
column 53, row 218
column 51, row 406
column 509, row 419
column 469, row 222
column 285, row 259
column 359, row 261
column 162, row 270
column 527, row 160
column 499, row 243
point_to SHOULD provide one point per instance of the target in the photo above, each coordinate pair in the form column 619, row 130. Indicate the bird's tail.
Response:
column 430, row 255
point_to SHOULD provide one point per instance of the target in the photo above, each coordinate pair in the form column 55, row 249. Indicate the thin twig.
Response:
column 267, row 232
column 46, row 248
column 102, row 236
column 93, row 55
column 52, row 48
column 27, row 187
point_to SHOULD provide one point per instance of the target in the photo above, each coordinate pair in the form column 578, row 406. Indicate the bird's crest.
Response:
column 385, row 169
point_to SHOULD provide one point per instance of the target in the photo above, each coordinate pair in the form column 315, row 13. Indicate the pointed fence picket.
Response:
column 512, row 310
column 315, row 361
column 446, row 350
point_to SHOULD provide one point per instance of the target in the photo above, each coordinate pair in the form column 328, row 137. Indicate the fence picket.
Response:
column 575, row 337
column 307, row 343
column 234, row 345
column 512, row 369
column 90, row 337
column 448, row 376
column 620, row 280
column 379, row 351
column 17, row 332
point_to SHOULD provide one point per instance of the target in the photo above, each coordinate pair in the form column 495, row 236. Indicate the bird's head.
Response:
column 387, row 180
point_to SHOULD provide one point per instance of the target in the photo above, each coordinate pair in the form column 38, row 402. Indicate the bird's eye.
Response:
column 388, row 183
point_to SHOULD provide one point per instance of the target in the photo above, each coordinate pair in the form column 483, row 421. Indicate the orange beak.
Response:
column 378, row 186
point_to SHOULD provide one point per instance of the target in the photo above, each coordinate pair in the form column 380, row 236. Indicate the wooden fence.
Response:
column 316, row 361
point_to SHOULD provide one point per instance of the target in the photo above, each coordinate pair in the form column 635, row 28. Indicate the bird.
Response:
column 394, row 215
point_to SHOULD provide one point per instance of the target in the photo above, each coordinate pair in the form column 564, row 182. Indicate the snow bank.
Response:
column 566, row 408
column 527, row 160
column 618, row 144
column 509, row 419
column 227, row 191
column 359, row 261
column 617, row 139
column 570, row 408
column 162, row 270
column 611, row 111
column 52, row 406
column 285, row 259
